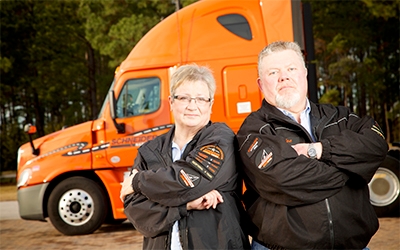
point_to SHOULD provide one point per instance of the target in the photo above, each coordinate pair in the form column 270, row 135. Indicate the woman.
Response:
column 181, row 193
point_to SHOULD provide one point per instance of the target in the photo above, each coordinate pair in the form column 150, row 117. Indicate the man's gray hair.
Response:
column 277, row 47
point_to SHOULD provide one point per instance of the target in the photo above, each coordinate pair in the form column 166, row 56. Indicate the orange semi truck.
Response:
column 73, row 176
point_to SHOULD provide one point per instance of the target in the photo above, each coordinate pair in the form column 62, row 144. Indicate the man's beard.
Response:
column 287, row 101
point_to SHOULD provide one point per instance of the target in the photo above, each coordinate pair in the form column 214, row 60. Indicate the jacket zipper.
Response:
column 329, row 212
column 161, row 159
column 183, row 233
column 330, row 220
column 322, row 124
column 328, row 207
column 314, row 128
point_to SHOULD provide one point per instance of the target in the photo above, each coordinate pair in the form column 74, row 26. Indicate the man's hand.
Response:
column 302, row 148
column 127, row 186
column 210, row 199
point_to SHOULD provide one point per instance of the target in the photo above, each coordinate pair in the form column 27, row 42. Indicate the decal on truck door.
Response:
column 138, row 138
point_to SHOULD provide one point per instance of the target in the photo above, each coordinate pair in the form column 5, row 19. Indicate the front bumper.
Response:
column 30, row 202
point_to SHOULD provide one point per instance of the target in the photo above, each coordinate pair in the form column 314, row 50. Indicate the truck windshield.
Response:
column 105, row 100
column 139, row 96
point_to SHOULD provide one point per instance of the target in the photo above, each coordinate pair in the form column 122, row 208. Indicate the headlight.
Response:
column 24, row 177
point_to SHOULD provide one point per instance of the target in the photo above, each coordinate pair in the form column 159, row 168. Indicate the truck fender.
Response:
column 112, row 180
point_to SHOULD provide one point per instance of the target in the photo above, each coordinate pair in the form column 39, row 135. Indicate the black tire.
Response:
column 384, row 188
column 77, row 206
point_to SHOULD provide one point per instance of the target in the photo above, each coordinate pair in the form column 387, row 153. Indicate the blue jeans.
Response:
column 257, row 246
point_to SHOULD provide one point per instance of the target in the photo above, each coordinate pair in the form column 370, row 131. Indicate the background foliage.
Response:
column 357, row 50
column 58, row 59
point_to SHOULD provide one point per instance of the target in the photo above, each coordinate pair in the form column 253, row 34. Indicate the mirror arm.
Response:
column 30, row 129
column 119, row 126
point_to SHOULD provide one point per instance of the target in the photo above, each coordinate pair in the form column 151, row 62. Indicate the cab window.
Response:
column 237, row 24
column 138, row 97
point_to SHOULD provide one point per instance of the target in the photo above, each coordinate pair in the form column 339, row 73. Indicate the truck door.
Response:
column 142, row 105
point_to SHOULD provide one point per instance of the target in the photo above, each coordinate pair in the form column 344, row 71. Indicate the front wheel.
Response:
column 384, row 188
column 77, row 206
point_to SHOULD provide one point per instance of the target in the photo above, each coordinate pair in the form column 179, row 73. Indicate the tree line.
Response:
column 58, row 59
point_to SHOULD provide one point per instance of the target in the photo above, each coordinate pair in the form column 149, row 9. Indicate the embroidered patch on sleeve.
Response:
column 213, row 151
column 189, row 178
column 263, row 158
column 254, row 145
column 208, row 160
column 377, row 130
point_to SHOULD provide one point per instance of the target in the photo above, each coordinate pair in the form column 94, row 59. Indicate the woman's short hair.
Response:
column 192, row 73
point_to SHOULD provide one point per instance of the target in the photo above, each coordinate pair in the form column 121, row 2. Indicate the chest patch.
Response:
column 293, row 140
column 264, row 158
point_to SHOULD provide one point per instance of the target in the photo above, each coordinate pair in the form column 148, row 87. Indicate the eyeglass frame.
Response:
column 189, row 100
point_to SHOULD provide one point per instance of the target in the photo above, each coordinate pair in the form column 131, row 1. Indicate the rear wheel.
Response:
column 77, row 206
column 385, row 188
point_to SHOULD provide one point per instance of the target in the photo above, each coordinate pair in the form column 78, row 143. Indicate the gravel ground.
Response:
column 22, row 234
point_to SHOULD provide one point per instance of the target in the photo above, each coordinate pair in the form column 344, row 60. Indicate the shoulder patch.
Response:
column 213, row 151
column 254, row 145
column 263, row 158
column 189, row 178
column 377, row 130
column 208, row 160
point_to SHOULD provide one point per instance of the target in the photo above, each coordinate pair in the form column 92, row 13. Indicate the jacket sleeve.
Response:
column 358, row 149
column 188, row 179
column 148, row 217
column 151, row 218
column 278, row 174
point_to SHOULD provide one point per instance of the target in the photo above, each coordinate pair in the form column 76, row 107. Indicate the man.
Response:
column 306, row 165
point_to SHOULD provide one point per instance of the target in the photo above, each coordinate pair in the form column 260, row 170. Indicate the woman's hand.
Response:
column 127, row 186
column 210, row 199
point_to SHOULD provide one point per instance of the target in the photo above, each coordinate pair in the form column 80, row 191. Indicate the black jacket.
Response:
column 162, row 189
column 298, row 202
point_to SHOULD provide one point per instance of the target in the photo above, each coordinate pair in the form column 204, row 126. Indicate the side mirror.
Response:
column 30, row 130
column 111, row 100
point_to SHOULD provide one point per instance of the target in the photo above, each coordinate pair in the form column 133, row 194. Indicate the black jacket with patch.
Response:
column 298, row 202
column 162, row 189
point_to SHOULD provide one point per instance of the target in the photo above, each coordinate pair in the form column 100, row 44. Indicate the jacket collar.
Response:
column 317, row 111
column 163, row 143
